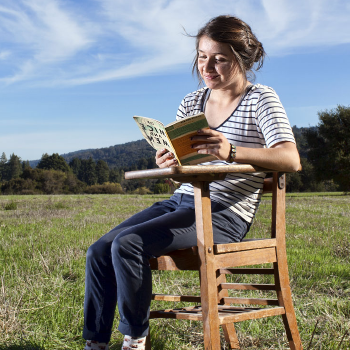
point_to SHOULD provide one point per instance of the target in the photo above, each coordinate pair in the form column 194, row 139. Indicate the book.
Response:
column 176, row 137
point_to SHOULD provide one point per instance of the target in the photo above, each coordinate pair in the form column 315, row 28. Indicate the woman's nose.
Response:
column 208, row 66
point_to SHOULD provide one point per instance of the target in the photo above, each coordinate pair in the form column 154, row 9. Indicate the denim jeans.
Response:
column 117, row 265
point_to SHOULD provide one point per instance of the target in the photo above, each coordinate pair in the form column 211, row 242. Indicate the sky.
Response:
column 74, row 72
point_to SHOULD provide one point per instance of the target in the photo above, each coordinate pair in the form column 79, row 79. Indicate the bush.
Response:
column 161, row 188
column 15, row 186
column 11, row 206
column 106, row 188
column 142, row 190
column 38, row 181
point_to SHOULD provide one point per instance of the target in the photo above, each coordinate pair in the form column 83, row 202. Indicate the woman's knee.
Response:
column 126, row 244
column 98, row 252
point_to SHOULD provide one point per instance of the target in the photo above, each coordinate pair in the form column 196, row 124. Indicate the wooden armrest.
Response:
column 198, row 172
column 193, row 170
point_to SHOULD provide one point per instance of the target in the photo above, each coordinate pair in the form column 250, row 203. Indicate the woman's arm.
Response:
column 282, row 156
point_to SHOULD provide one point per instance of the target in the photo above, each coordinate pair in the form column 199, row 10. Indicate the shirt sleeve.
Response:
column 181, row 112
column 191, row 104
column 272, row 119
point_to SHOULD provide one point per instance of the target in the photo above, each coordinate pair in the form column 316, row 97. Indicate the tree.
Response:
column 3, row 161
column 54, row 162
column 75, row 165
column 115, row 175
column 25, row 165
column 87, row 172
column 3, row 158
column 142, row 164
column 329, row 146
column 305, row 180
column 102, row 172
column 14, row 167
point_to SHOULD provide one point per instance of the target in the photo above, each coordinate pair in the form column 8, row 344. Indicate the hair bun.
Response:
column 260, row 53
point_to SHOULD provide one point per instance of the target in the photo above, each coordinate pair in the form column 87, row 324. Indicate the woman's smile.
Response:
column 210, row 77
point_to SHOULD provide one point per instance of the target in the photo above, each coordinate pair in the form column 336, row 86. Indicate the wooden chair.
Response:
column 214, row 262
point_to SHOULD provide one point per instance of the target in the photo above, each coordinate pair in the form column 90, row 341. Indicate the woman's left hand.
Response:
column 213, row 142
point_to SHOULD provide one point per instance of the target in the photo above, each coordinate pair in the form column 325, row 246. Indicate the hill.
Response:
column 128, row 154
column 124, row 155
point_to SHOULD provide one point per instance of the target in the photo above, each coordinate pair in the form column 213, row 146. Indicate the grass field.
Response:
column 43, row 240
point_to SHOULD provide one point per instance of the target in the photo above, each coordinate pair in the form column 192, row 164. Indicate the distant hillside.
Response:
column 128, row 154
column 124, row 155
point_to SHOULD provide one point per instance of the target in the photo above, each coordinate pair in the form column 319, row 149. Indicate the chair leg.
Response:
column 229, row 329
column 209, row 293
column 284, row 295
column 231, row 335
column 211, row 324
column 148, row 342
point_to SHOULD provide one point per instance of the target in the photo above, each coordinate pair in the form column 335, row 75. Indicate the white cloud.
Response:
column 42, row 33
column 294, row 26
column 121, row 39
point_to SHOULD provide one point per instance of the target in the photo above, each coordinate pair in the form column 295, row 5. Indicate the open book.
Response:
column 176, row 137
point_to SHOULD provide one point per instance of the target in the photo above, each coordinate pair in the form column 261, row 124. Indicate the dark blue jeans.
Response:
column 117, row 267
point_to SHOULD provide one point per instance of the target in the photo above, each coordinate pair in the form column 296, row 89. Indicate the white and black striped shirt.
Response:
column 259, row 121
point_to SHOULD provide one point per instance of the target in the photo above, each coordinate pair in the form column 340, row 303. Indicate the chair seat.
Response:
column 227, row 314
column 246, row 244
column 187, row 259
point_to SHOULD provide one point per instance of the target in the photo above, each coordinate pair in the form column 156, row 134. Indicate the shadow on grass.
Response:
column 21, row 346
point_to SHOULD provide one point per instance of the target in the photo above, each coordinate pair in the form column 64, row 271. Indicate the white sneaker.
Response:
column 131, row 343
column 95, row 345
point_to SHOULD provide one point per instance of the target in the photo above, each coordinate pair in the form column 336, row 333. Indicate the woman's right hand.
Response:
column 165, row 158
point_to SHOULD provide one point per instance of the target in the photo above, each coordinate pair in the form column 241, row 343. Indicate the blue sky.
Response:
column 74, row 72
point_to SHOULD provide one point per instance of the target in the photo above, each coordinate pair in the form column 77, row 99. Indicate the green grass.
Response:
column 43, row 241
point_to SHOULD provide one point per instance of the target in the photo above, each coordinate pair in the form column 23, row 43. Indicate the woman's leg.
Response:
column 100, row 282
column 132, row 249
column 153, row 232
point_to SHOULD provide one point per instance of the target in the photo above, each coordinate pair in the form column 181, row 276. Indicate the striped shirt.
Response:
column 259, row 121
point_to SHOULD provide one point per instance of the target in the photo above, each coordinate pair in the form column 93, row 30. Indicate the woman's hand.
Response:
column 165, row 159
column 212, row 142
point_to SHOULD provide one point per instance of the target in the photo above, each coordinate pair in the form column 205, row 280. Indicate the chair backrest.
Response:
column 278, row 228
column 275, row 184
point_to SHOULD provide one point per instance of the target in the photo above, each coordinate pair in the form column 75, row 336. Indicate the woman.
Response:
column 248, row 125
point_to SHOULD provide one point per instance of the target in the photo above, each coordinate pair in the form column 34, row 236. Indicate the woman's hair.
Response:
column 245, row 46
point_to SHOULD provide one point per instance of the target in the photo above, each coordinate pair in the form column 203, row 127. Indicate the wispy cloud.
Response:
column 4, row 55
column 42, row 33
column 64, row 43
column 293, row 26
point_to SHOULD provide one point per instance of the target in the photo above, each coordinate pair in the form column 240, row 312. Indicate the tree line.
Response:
column 324, row 151
column 53, row 175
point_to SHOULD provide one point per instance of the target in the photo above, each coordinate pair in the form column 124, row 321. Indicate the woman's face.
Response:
column 217, row 64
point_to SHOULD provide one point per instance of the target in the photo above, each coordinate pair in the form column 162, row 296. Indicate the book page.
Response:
column 154, row 132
